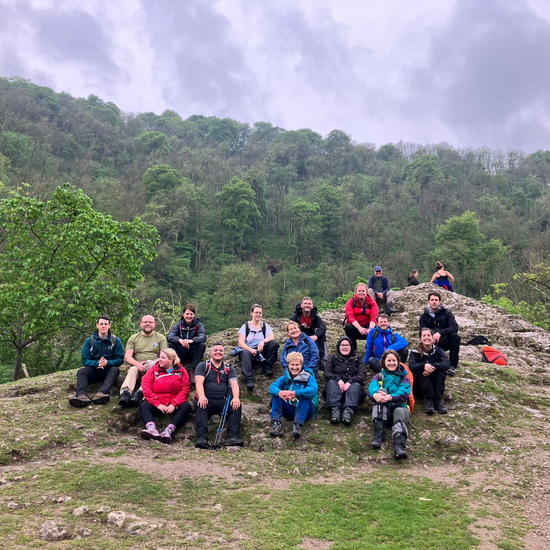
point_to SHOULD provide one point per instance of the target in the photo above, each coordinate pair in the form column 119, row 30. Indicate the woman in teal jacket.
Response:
column 390, row 390
column 293, row 395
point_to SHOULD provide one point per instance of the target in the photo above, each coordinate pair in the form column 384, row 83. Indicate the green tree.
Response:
column 472, row 259
column 160, row 177
column 148, row 142
column 62, row 264
column 238, row 212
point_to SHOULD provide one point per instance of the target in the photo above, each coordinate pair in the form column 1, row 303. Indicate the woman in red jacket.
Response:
column 166, row 389
column 361, row 315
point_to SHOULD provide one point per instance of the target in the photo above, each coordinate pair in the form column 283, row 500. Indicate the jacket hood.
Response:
column 302, row 376
column 340, row 340
column 428, row 310
column 400, row 371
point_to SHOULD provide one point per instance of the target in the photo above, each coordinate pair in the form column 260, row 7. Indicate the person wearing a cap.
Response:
column 379, row 290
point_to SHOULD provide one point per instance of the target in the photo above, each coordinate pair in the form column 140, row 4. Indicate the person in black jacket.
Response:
column 429, row 366
column 345, row 375
column 188, row 338
column 313, row 326
column 444, row 326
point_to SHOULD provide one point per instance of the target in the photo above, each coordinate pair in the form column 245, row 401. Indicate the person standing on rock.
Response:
column 102, row 354
column 429, row 366
column 444, row 326
column 142, row 350
column 215, row 381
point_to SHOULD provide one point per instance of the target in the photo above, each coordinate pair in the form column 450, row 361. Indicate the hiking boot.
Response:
column 166, row 436
column 428, row 405
column 125, row 397
column 276, row 429
column 250, row 385
column 101, row 398
column 390, row 309
column 322, row 364
column 202, row 443
column 399, row 444
column 336, row 415
column 136, row 398
column 439, row 407
column 347, row 416
column 451, row 371
column 379, row 434
column 267, row 372
column 297, row 431
column 80, row 401
column 234, row 442
column 150, row 433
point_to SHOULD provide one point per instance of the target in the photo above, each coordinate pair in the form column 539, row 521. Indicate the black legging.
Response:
column 179, row 416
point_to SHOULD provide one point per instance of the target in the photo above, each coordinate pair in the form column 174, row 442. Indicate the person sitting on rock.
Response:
column 382, row 338
column 444, row 326
column 292, row 396
column 257, row 345
column 311, row 324
column 188, row 338
column 390, row 390
column 302, row 343
column 379, row 290
column 442, row 277
column 361, row 315
column 345, row 375
column 102, row 354
column 412, row 279
column 142, row 351
column 166, row 389
column 429, row 365
column 215, row 380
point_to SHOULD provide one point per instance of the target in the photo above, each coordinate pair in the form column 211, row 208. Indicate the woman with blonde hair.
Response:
column 442, row 277
column 166, row 389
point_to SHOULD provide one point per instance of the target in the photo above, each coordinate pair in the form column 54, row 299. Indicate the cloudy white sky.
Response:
column 468, row 72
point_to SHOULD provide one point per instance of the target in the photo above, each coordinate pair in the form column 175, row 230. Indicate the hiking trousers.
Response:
column 297, row 413
column 215, row 406
column 194, row 353
column 270, row 354
column 353, row 334
column 432, row 386
column 451, row 343
column 90, row 375
column 351, row 398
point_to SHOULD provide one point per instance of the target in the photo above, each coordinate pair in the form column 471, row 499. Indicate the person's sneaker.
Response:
column 150, row 433
column 297, row 431
column 234, row 442
column 439, row 407
column 202, row 444
column 276, row 429
column 250, row 385
column 136, row 398
column 451, row 371
column 336, row 415
column 101, row 398
column 166, row 436
column 80, row 401
column 125, row 397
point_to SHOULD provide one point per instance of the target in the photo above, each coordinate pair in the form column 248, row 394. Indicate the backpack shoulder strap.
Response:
column 246, row 330
column 375, row 333
column 264, row 329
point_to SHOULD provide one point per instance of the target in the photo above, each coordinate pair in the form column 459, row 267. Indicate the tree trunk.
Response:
column 18, row 362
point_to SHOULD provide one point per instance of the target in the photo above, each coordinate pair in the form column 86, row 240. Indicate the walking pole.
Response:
column 218, row 439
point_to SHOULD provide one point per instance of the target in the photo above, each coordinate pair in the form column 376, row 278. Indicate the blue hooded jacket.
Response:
column 307, row 347
column 382, row 343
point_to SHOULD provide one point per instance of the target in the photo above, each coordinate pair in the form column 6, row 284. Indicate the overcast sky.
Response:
column 468, row 72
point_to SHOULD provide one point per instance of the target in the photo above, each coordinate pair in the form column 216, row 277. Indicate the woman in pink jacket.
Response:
column 166, row 389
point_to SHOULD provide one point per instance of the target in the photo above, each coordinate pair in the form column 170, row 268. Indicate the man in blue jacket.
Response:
column 382, row 338
column 380, row 290
column 102, row 354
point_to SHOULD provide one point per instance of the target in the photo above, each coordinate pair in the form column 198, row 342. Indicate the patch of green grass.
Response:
column 356, row 515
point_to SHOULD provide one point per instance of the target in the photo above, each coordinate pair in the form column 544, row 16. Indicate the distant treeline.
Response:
column 260, row 214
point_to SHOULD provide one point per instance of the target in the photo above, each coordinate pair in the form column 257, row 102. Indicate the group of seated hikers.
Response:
column 159, row 385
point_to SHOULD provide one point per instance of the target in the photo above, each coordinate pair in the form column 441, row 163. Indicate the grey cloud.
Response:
column 488, row 67
column 198, row 62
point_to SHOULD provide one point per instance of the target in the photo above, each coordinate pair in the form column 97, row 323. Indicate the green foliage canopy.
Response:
column 62, row 264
